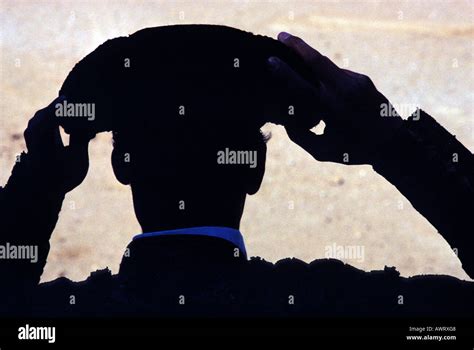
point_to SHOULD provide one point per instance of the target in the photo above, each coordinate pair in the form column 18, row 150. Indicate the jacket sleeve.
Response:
column 435, row 172
column 29, row 207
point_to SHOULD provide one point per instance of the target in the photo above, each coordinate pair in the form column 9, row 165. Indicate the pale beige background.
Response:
column 417, row 52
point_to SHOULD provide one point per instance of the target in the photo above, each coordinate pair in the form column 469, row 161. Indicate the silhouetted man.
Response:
column 189, row 203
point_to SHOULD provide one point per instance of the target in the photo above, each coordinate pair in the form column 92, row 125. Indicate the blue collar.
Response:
column 229, row 234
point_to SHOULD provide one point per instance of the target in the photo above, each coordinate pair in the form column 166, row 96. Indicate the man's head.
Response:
column 186, row 173
column 185, row 104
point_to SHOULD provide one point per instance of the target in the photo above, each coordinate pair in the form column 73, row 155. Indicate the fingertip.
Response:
column 295, row 43
column 284, row 36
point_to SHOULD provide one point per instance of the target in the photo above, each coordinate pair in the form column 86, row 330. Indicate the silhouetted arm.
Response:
column 29, row 208
column 435, row 172
column 425, row 162
column 31, row 201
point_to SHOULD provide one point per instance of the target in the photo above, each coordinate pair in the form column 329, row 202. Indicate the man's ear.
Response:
column 121, row 165
column 256, row 173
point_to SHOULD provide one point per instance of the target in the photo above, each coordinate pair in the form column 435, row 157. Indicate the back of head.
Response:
column 185, row 104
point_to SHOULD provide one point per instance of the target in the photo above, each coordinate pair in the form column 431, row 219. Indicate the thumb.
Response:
column 77, row 152
column 319, row 146
column 76, row 161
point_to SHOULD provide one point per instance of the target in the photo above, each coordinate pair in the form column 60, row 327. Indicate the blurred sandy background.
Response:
column 417, row 52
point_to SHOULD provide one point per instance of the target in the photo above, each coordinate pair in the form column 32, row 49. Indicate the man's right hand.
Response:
column 350, row 106
column 68, row 164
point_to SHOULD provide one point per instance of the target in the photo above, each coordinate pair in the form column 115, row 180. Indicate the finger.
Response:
column 44, row 120
column 322, row 66
column 319, row 146
column 291, row 90
column 45, row 117
column 75, row 162
column 42, row 129
column 288, row 77
column 78, row 149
